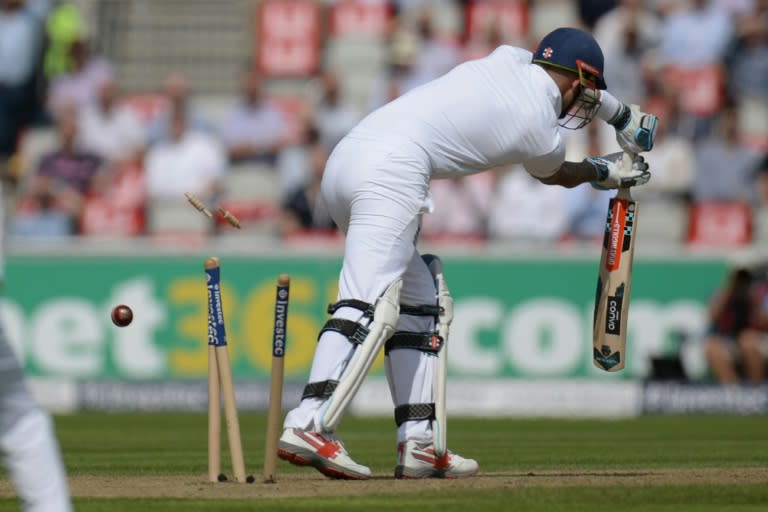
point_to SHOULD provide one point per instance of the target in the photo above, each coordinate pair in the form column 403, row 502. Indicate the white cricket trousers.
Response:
column 376, row 197
column 28, row 446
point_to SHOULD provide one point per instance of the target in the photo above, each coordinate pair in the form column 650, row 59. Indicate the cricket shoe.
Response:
column 321, row 451
column 418, row 460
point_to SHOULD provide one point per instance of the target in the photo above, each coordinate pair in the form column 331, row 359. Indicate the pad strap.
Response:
column 414, row 412
column 421, row 310
column 359, row 305
column 354, row 332
column 424, row 341
column 367, row 309
column 321, row 389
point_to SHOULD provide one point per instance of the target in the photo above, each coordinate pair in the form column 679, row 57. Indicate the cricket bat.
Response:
column 609, row 331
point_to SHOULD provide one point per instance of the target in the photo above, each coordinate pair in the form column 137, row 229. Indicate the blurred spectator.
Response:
column 696, row 34
column 636, row 15
column 762, row 182
column 544, row 15
column 434, row 55
column 332, row 116
column 190, row 161
column 176, row 92
column 116, row 205
column 590, row 11
column 585, row 207
column 666, row 101
column 695, row 38
column 80, row 85
column 484, row 41
column 748, row 63
column 524, row 209
column 756, row 339
column 725, row 169
column 461, row 208
column 109, row 129
column 21, row 38
column 303, row 210
column 58, row 187
column 628, row 34
column 416, row 55
column 257, row 129
column 736, row 7
column 733, row 339
column 64, row 28
column 39, row 216
column 69, row 166
column 294, row 161
column 395, row 80
column 671, row 161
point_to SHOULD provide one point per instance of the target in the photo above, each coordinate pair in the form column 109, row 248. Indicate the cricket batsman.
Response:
column 506, row 108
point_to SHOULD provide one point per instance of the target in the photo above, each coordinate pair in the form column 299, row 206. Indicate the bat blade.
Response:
column 609, row 331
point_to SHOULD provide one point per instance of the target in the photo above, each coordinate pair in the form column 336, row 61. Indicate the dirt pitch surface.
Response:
column 312, row 484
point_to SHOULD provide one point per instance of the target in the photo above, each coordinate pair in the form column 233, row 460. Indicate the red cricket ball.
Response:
column 122, row 315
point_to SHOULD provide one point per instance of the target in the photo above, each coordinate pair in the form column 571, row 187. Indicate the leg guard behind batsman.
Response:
column 416, row 370
column 428, row 335
column 445, row 301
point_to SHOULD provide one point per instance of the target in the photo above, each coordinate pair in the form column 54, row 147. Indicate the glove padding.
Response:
column 619, row 170
column 635, row 130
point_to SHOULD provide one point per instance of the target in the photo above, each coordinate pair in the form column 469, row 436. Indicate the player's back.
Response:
column 484, row 113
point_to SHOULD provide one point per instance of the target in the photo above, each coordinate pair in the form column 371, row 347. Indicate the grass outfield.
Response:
column 157, row 462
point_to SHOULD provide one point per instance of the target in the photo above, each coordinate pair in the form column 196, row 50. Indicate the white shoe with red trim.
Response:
column 415, row 460
column 321, row 451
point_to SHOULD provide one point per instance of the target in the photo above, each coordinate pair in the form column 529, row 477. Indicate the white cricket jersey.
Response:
column 485, row 113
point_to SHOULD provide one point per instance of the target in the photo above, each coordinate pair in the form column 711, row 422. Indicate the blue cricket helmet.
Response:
column 573, row 50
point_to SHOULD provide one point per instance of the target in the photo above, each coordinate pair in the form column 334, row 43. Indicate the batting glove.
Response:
column 619, row 170
column 635, row 130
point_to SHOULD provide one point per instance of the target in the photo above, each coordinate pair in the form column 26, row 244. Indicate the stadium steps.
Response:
column 175, row 218
column 359, row 62
column 210, row 42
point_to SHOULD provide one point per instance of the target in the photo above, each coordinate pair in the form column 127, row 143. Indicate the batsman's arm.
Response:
column 571, row 174
column 617, row 170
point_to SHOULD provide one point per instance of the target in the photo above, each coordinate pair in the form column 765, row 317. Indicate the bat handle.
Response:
column 624, row 192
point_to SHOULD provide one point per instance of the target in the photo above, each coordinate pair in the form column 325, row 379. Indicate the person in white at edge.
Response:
column 495, row 111
column 190, row 161
column 28, row 446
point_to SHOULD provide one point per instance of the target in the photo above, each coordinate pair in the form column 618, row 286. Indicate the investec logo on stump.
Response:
column 278, row 341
